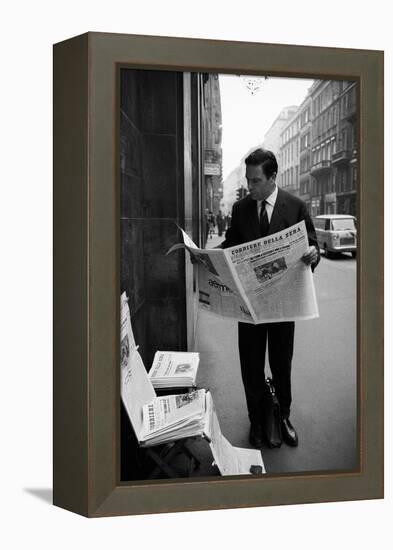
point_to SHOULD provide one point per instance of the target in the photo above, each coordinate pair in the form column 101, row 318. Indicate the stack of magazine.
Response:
column 174, row 369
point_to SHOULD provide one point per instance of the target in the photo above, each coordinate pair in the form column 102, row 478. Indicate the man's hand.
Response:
column 311, row 256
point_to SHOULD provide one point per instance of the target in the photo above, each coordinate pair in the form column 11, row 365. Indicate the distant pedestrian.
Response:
column 206, row 223
column 220, row 220
column 212, row 223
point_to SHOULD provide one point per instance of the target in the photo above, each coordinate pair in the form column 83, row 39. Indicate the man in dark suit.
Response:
column 266, row 210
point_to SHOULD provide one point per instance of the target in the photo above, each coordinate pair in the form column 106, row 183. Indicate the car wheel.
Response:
column 326, row 251
column 353, row 254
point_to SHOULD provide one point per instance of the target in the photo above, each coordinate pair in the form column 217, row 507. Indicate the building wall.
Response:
column 290, row 154
column 305, row 154
column 345, row 157
column 212, row 134
column 325, row 115
column 318, row 151
column 272, row 138
column 152, row 201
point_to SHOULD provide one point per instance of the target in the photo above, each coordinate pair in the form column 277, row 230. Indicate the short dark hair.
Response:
column 264, row 157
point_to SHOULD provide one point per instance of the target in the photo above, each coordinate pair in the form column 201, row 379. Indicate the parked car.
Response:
column 336, row 233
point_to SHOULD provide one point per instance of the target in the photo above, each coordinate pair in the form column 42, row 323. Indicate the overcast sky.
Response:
column 247, row 117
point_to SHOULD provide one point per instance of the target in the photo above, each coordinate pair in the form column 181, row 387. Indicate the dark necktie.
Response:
column 263, row 220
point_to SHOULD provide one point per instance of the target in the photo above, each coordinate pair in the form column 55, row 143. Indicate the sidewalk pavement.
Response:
column 324, row 384
column 214, row 240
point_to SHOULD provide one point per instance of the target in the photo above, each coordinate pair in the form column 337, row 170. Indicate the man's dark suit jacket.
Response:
column 288, row 210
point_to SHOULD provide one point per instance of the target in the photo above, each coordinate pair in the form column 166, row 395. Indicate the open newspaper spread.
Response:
column 260, row 281
column 174, row 369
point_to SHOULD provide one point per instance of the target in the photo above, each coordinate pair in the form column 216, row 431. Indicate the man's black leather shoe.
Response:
column 256, row 436
column 288, row 433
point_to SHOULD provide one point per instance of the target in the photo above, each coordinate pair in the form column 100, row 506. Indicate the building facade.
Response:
column 324, row 95
column 305, row 153
column 272, row 138
column 212, row 136
column 334, row 170
column 318, row 151
column 344, row 159
column 289, row 157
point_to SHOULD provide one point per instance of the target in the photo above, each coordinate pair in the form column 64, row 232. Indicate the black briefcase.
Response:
column 271, row 416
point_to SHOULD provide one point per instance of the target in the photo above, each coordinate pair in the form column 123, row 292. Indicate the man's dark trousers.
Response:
column 252, row 351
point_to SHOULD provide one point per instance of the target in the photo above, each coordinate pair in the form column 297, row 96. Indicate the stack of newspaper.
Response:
column 174, row 369
column 158, row 420
column 174, row 417
column 155, row 420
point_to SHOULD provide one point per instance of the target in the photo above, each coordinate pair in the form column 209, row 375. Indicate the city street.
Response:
column 323, row 376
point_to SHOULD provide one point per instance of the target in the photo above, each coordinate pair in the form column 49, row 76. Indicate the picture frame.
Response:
column 86, row 275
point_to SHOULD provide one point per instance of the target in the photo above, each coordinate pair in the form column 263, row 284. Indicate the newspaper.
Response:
column 158, row 420
column 230, row 460
column 261, row 281
column 136, row 388
column 171, row 369
column 174, row 417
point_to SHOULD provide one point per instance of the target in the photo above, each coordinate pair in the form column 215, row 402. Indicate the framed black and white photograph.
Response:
column 218, row 274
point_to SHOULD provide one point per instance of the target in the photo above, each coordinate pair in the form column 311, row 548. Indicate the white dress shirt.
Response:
column 270, row 202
